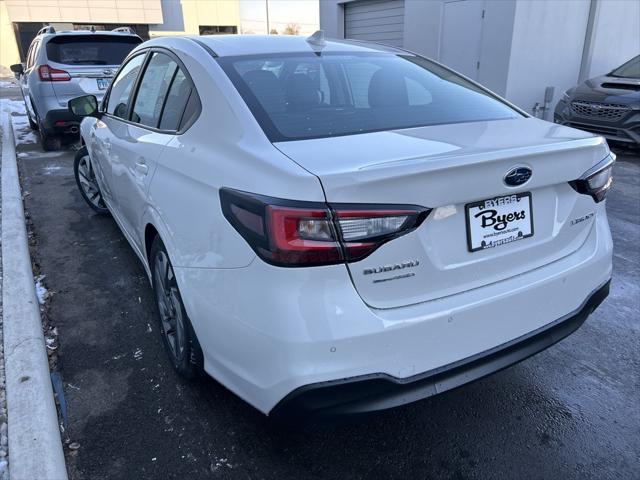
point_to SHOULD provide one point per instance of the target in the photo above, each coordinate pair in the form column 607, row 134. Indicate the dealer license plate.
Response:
column 498, row 221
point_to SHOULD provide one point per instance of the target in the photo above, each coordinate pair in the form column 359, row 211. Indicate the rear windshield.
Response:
column 631, row 69
column 90, row 49
column 300, row 96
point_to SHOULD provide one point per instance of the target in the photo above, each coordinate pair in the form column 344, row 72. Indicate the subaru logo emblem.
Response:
column 517, row 176
column 107, row 72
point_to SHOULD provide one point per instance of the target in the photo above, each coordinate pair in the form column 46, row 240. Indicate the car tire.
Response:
column 178, row 336
column 87, row 183
column 48, row 141
column 32, row 123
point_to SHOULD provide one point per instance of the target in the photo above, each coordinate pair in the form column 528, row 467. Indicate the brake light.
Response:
column 292, row 234
column 597, row 181
column 50, row 74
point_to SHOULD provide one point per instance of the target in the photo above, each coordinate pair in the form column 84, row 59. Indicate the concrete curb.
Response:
column 35, row 448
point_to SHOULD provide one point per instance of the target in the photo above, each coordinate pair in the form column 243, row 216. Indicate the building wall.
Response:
column 496, row 45
column 547, row 46
column 164, row 17
column 422, row 27
column 526, row 45
column 85, row 11
column 8, row 47
column 422, row 33
column 195, row 13
column 616, row 36
column 332, row 18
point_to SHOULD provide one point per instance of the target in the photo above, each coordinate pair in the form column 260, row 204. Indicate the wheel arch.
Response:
column 154, row 227
column 150, row 234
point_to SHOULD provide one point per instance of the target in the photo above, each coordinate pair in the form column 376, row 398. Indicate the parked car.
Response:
column 334, row 227
column 64, row 65
column 608, row 105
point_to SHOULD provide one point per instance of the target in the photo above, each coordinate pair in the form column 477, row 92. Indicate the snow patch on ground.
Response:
column 41, row 291
column 39, row 154
column 8, row 84
column 21, row 129
column 26, row 136
column 51, row 169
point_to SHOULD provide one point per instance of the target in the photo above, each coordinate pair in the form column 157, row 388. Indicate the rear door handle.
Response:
column 142, row 168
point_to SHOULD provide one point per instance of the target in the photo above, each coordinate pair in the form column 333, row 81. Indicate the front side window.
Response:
column 299, row 96
column 118, row 104
column 154, row 85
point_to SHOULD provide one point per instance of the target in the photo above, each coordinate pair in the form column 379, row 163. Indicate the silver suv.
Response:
column 64, row 65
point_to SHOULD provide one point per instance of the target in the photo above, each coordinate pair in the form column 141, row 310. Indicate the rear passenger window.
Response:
column 158, row 79
column 118, row 104
column 192, row 110
column 177, row 99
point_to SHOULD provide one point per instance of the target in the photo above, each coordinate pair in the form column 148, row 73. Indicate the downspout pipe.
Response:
column 587, row 51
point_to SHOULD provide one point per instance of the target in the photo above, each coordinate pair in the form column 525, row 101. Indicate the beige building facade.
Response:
column 21, row 19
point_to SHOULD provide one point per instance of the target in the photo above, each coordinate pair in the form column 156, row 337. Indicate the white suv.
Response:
column 63, row 65
column 334, row 227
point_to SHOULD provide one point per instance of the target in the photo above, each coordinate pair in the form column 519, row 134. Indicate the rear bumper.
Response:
column 380, row 391
column 267, row 331
column 53, row 118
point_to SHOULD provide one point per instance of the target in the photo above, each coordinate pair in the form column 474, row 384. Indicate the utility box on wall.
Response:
column 519, row 49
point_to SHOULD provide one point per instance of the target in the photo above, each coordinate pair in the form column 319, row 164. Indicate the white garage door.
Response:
column 375, row 20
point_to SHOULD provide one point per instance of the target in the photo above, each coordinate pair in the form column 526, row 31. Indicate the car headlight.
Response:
column 566, row 97
column 596, row 181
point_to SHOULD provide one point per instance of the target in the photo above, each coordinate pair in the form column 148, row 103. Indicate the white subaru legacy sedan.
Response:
column 336, row 227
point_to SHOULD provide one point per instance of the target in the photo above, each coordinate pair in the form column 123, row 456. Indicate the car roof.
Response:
column 232, row 45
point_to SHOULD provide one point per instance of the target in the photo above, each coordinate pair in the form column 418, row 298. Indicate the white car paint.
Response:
column 267, row 330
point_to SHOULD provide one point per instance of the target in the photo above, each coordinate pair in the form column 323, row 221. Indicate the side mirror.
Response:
column 85, row 106
column 17, row 69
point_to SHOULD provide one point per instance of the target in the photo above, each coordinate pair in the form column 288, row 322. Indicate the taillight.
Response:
column 296, row 234
column 50, row 74
column 363, row 230
column 597, row 181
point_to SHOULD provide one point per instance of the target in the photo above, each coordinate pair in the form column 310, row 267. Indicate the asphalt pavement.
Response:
column 571, row 412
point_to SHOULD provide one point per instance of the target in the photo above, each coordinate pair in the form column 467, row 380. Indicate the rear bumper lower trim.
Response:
column 64, row 115
column 380, row 391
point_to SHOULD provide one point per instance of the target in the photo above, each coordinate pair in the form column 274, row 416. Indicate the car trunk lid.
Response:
column 84, row 80
column 446, row 168
column 90, row 59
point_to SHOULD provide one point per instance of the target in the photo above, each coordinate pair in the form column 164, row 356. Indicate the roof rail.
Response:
column 47, row 29
column 124, row 30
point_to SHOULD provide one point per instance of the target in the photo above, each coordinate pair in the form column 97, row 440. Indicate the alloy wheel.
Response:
column 88, row 183
column 171, row 314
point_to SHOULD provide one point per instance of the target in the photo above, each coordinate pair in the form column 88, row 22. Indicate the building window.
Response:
column 217, row 29
column 142, row 30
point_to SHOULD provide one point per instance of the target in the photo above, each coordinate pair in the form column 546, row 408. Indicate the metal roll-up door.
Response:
column 375, row 21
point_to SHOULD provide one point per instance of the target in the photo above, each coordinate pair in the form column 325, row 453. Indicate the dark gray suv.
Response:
column 608, row 105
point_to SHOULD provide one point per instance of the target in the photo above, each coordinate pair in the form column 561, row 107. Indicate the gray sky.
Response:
column 303, row 12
